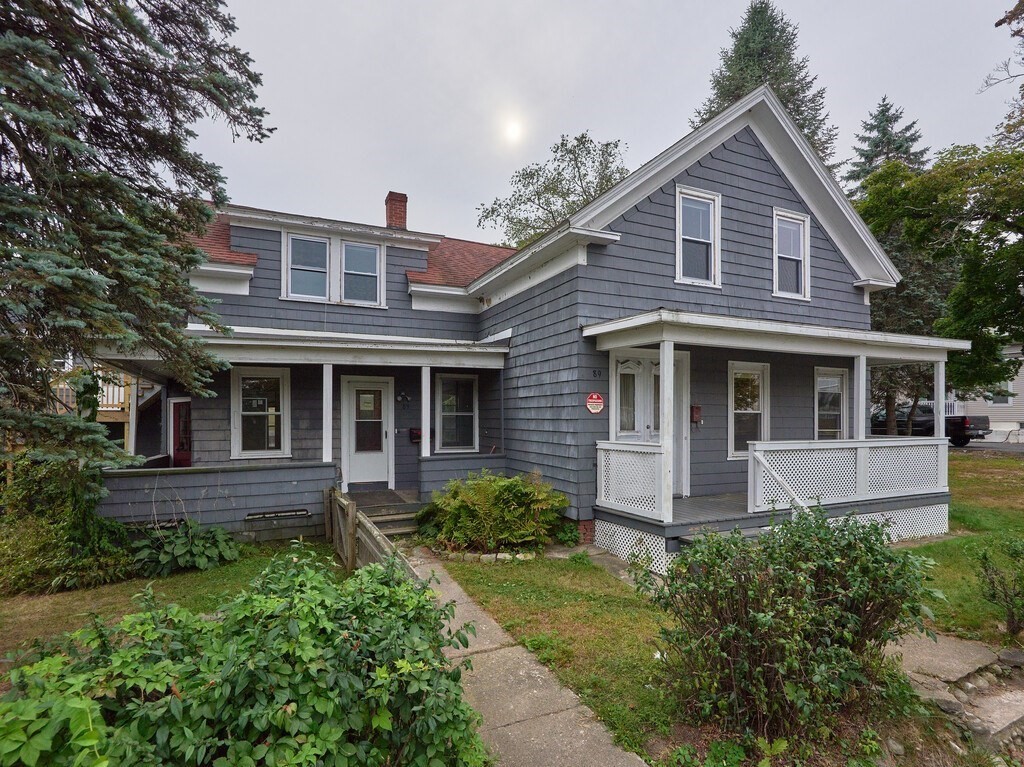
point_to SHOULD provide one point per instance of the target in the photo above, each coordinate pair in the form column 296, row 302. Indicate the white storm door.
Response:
column 368, row 430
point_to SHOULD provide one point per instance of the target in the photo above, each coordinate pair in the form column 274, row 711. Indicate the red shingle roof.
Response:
column 456, row 263
column 217, row 244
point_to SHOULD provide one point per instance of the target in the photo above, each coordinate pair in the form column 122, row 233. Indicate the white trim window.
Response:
column 830, row 408
column 1002, row 400
column 698, row 237
column 261, row 413
column 791, row 245
column 308, row 267
column 748, row 406
column 361, row 271
column 457, row 413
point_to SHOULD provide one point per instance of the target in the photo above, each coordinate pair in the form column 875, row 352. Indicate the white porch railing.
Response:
column 953, row 406
column 629, row 477
column 784, row 474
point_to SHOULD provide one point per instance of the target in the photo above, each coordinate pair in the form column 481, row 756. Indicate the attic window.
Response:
column 307, row 267
column 698, row 241
column 792, row 255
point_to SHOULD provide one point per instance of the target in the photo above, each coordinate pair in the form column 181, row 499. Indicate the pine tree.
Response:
column 764, row 52
column 100, row 192
column 883, row 141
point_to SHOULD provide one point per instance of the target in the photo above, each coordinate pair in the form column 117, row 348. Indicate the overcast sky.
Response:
column 445, row 100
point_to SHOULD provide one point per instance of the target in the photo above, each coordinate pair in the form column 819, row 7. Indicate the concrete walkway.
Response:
column 529, row 719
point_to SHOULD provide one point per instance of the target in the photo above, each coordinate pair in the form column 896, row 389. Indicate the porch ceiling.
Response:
column 740, row 333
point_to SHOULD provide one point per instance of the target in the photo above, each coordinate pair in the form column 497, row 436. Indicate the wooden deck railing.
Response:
column 356, row 540
column 629, row 478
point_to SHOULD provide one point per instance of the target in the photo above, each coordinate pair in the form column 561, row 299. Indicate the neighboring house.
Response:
column 1005, row 406
column 691, row 349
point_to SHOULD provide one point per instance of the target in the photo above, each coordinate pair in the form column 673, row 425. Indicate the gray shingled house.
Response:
column 691, row 349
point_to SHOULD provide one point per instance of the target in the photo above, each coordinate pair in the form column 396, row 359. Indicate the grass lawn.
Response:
column 25, row 618
column 589, row 627
column 988, row 504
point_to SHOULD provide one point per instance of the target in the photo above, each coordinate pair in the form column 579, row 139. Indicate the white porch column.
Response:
column 939, row 398
column 425, row 400
column 327, row 426
column 133, row 413
column 667, row 363
column 860, row 394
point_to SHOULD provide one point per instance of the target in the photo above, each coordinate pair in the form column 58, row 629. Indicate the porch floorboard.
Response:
column 709, row 508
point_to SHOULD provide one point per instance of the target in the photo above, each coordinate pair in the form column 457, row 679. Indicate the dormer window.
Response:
column 792, row 255
column 361, row 273
column 698, row 241
column 307, row 267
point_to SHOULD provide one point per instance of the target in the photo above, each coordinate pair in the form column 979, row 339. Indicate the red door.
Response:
column 181, row 436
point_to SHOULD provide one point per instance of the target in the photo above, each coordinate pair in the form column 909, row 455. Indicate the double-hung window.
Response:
column 829, row 403
column 1002, row 394
column 792, row 246
column 307, row 267
column 260, row 412
column 698, row 227
column 748, row 406
column 361, row 273
column 457, row 412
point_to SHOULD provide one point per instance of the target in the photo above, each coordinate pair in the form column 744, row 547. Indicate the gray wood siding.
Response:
column 542, row 382
column 264, row 307
column 638, row 273
column 224, row 496
column 437, row 470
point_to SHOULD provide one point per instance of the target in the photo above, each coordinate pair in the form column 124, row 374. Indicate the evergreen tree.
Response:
column 883, row 141
column 764, row 52
column 100, row 192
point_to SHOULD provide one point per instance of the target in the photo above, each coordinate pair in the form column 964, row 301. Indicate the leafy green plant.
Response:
column 550, row 648
column 720, row 753
column 568, row 533
column 1001, row 573
column 800, row 619
column 580, row 559
column 50, row 535
column 185, row 547
column 490, row 512
column 302, row 668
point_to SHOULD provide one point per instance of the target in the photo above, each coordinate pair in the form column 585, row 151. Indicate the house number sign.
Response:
column 595, row 403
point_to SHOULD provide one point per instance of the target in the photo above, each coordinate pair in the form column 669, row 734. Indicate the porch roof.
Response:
column 767, row 335
column 251, row 345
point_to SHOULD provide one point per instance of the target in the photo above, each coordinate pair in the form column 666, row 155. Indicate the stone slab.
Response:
column 948, row 659
column 1000, row 711
column 570, row 738
column 489, row 635
column 508, row 685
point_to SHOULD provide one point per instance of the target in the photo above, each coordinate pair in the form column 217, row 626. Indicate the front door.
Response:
column 181, row 433
column 367, row 436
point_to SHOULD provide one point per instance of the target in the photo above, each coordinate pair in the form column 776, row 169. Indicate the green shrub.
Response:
column 774, row 637
column 568, row 533
column 188, row 546
column 489, row 512
column 302, row 668
column 50, row 535
column 1001, row 572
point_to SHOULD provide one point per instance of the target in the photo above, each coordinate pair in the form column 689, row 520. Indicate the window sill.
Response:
column 449, row 450
column 743, row 457
column 327, row 301
column 259, row 454
column 698, row 283
column 792, row 296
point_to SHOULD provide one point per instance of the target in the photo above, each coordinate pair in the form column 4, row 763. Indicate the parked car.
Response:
column 960, row 429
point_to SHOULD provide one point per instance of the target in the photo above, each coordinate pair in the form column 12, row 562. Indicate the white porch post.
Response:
column 668, row 386
column 425, row 411
column 939, row 398
column 327, row 426
column 860, row 394
column 133, row 414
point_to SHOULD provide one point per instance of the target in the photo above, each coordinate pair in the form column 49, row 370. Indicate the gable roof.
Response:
column 456, row 263
column 763, row 113
column 217, row 244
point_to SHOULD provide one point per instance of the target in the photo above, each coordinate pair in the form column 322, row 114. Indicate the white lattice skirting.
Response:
column 625, row 543
column 918, row 522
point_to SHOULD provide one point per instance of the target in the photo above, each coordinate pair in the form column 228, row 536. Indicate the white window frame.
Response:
column 438, row 423
column 1009, row 400
column 716, row 236
column 289, row 293
column 381, row 273
column 844, row 375
column 284, row 376
column 805, row 246
column 748, row 367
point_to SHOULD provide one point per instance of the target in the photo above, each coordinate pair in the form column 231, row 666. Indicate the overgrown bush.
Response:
column 50, row 535
column 188, row 546
column 490, row 512
column 300, row 669
column 1001, row 573
column 774, row 637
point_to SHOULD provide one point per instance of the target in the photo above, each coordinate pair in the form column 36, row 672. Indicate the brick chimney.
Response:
column 396, row 204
